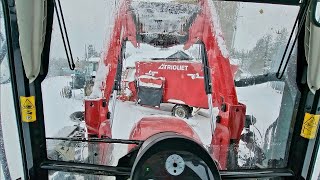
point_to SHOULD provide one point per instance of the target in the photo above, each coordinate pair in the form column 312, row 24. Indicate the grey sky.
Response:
column 86, row 24
column 256, row 20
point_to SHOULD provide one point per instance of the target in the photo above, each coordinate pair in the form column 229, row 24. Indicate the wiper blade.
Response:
column 66, row 38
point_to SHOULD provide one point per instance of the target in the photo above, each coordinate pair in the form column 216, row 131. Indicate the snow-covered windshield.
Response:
column 151, row 79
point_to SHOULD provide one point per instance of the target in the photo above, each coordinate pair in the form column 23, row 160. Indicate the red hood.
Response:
column 149, row 126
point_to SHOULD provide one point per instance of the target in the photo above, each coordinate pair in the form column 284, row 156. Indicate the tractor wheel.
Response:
column 181, row 111
column 77, row 116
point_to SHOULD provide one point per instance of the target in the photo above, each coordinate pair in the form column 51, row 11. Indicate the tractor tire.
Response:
column 181, row 111
column 77, row 116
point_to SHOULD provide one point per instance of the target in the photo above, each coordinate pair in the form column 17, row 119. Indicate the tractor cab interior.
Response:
column 159, row 89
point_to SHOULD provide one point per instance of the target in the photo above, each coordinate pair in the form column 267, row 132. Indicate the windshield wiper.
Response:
column 302, row 16
column 67, row 50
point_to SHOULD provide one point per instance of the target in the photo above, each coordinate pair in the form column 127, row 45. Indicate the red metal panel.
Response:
column 95, row 113
column 220, row 145
column 105, row 149
column 149, row 126
column 237, row 115
column 222, row 72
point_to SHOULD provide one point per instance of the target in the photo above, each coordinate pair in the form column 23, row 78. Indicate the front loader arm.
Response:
column 96, row 110
column 231, row 118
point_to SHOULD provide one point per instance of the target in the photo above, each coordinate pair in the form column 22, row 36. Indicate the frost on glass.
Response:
column 247, row 34
column 10, row 155
column 4, row 91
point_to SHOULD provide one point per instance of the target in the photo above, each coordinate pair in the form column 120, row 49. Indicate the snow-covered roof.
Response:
column 147, row 52
column 179, row 55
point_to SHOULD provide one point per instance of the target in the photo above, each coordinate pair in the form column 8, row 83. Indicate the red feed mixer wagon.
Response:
column 180, row 82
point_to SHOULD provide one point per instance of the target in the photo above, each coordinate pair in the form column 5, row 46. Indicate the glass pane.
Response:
column 10, row 155
column 159, row 72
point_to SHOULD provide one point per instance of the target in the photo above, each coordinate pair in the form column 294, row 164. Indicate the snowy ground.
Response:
column 258, row 99
column 263, row 102
column 56, row 108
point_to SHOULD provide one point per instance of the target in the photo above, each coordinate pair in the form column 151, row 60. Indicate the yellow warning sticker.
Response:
column 28, row 109
column 310, row 126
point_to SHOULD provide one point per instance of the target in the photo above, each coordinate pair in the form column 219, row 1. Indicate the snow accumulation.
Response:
column 151, row 77
column 146, row 52
column 130, row 75
column 263, row 102
column 151, row 85
column 56, row 108
column 127, row 114
column 102, row 73
column 112, row 10
column 94, row 59
column 217, row 30
column 235, row 61
column 103, row 69
column 93, row 73
column 173, row 16
column 127, row 92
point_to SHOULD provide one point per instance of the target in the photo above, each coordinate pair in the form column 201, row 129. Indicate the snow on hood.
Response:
column 152, row 85
column 150, row 77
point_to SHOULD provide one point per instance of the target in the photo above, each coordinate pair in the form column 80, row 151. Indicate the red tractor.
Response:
column 213, row 78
